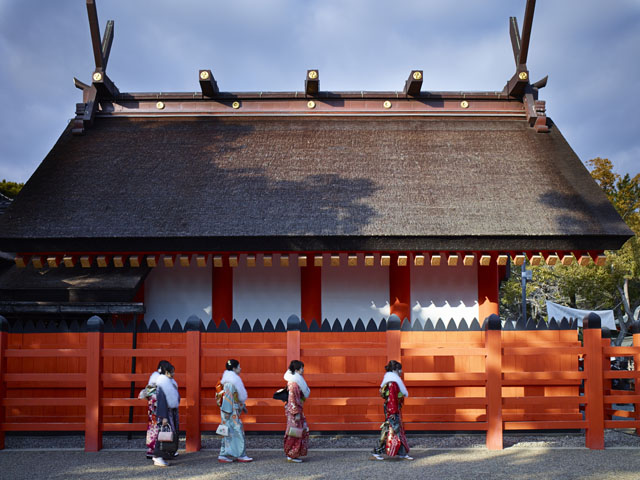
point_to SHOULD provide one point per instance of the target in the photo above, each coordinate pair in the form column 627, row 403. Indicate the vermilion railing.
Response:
column 488, row 380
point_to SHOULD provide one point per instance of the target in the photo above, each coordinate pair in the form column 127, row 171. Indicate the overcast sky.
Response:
column 589, row 49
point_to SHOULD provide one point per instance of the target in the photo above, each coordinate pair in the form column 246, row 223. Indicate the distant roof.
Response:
column 71, row 285
column 4, row 203
column 159, row 178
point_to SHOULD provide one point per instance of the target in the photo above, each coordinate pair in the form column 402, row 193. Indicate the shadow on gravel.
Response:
column 513, row 463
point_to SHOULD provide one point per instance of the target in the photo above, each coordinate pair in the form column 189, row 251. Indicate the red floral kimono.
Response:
column 295, row 447
column 392, row 438
column 149, row 393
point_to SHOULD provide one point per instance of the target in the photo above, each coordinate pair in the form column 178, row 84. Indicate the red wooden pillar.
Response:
column 394, row 345
column 222, row 293
column 493, row 345
column 635, row 329
column 488, row 290
column 93, row 382
column 311, row 292
column 4, row 341
column 399, row 289
column 193, row 346
column 606, row 367
column 593, row 389
column 293, row 339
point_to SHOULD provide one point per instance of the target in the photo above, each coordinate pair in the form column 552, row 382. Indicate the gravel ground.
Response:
column 451, row 456
column 613, row 438
column 453, row 464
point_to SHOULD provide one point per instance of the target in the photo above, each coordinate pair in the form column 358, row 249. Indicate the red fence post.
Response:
column 594, row 411
column 93, row 385
column 293, row 339
column 635, row 329
column 194, row 439
column 493, row 345
column 394, row 347
column 607, row 383
column 4, row 337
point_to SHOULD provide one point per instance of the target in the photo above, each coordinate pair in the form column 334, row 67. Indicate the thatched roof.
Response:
column 71, row 284
column 296, row 183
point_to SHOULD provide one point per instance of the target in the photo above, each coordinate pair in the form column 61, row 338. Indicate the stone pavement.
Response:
column 619, row 463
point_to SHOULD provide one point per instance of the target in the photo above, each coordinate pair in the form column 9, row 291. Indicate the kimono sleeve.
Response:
column 227, row 398
column 392, row 404
column 295, row 403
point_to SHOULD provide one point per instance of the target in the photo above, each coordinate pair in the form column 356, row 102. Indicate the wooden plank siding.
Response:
column 44, row 383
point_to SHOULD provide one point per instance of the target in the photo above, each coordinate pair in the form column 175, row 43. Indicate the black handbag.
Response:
column 282, row 394
column 171, row 447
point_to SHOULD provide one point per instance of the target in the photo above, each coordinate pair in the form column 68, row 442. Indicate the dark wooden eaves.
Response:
column 71, row 308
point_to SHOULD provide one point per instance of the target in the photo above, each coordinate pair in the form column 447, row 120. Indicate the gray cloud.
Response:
column 588, row 49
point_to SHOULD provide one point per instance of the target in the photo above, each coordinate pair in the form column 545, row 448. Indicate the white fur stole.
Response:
column 299, row 379
column 229, row 376
column 153, row 378
column 394, row 377
column 170, row 389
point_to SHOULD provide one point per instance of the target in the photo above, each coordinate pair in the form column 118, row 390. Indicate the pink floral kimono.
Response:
column 295, row 447
column 152, row 424
column 149, row 394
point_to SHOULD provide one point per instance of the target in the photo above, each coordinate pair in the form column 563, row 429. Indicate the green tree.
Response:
column 614, row 286
column 624, row 265
column 10, row 189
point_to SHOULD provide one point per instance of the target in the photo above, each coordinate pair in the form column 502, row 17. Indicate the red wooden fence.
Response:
column 490, row 380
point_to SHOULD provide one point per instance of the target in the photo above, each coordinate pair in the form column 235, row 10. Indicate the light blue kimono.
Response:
column 230, row 410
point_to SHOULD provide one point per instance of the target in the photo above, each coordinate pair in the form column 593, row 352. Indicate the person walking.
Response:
column 296, row 437
column 149, row 393
column 168, row 400
column 392, row 438
column 232, row 406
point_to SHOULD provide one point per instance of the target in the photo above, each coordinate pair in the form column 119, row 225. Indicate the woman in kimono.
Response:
column 232, row 406
column 392, row 438
column 296, row 437
column 167, row 402
column 149, row 393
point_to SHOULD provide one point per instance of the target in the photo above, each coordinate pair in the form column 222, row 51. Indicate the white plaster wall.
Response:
column 444, row 292
column 354, row 292
column 177, row 293
column 261, row 293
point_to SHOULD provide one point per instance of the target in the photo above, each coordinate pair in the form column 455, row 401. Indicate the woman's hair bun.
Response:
column 231, row 364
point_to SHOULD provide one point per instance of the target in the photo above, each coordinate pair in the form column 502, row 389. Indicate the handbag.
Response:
column 165, row 434
column 294, row 432
column 282, row 394
column 222, row 430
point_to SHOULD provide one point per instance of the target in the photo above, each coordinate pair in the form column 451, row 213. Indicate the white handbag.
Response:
column 165, row 434
column 222, row 430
